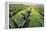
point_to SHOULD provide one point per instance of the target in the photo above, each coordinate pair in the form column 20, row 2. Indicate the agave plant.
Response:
column 21, row 16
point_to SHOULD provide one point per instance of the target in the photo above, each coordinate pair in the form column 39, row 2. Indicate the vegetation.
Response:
column 21, row 16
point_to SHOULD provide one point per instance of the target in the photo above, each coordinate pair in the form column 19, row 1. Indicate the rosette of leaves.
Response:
column 21, row 17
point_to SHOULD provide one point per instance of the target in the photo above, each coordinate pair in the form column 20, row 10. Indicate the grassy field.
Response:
column 22, row 16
